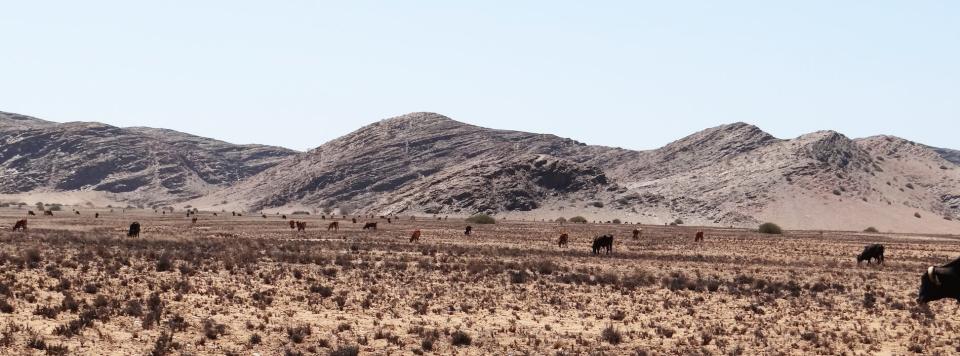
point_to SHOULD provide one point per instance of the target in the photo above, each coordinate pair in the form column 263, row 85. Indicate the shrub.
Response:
column 460, row 338
column 871, row 229
column 770, row 228
column 561, row 220
column 916, row 215
column 55, row 207
column 611, row 335
column 578, row 220
column 597, row 204
column 482, row 219
column 616, row 221
column 345, row 351
column 678, row 222
column 164, row 264
column 300, row 212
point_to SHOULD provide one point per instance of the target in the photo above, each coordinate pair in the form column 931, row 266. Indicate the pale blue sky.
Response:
column 633, row 74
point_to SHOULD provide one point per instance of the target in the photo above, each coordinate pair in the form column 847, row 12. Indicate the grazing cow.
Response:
column 468, row 230
column 871, row 252
column 21, row 225
column 940, row 282
column 415, row 236
column 134, row 230
column 78, row 213
column 214, row 214
column 370, row 226
column 284, row 217
column 389, row 221
column 193, row 221
column 293, row 224
column 563, row 241
column 354, row 220
column 96, row 215
column 698, row 237
column 335, row 226
column 603, row 242
column 48, row 212
column 234, row 213
column 31, row 213
column 301, row 226
column 637, row 233
column 263, row 215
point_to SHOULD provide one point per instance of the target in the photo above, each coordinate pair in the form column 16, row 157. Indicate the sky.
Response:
column 631, row 74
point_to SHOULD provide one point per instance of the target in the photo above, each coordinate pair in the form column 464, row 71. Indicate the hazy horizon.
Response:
column 624, row 74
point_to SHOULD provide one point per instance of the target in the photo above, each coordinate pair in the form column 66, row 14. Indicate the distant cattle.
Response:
column 389, row 221
column 134, row 230
column 234, row 213
column 48, row 212
column 871, row 252
column 301, row 226
column 284, row 217
column 637, row 233
column 698, row 237
column 263, row 215
column 370, row 226
column 335, row 226
column 21, row 225
column 77, row 212
column 415, row 236
column 31, row 213
column 193, row 221
column 214, row 214
column 96, row 215
column 354, row 220
column 293, row 224
column 468, row 230
column 940, row 282
column 563, row 241
column 604, row 242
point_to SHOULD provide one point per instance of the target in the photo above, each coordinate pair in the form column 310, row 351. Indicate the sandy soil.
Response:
column 73, row 284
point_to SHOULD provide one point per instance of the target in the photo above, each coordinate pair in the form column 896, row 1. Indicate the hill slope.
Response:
column 142, row 165
column 732, row 174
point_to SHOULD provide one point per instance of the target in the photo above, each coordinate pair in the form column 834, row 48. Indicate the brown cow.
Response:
column 284, row 217
column 415, row 236
column 301, row 226
column 31, row 213
column 354, row 220
column 335, row 226
column 698, row 237
column 193, row 221
column 370, row 226
column 48, row 212
column 78, row 213
column 293, row 224
column 468, row 230
column 21, row 225
column 637, row 233
column 563, row 241
column 96, row 216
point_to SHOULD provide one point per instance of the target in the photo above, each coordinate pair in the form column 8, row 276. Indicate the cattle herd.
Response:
column 937, row 282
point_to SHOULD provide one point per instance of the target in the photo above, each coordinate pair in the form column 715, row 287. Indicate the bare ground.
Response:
column 243, row 285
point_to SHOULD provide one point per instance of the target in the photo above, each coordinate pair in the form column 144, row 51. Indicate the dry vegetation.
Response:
column 228, row 285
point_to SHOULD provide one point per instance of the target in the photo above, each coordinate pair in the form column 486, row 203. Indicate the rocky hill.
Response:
column 138, row 165
column 732, row 174
column 425, row 163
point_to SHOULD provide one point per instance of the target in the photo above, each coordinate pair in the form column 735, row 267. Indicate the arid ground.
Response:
column 73, row 284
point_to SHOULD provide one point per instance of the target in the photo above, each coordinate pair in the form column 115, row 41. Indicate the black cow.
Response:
column 21, row 225
column 871, row 252
column 30, row 212
column 564, row 240
column 603, row 242
column 370, row 226
column 134, row 230
column 940, row 282
column 468, row 230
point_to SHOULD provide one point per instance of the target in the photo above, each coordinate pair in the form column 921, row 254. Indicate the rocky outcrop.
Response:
column 139, row 164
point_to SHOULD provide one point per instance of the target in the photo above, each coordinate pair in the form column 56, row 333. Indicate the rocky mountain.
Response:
column 732, row 174
column 140, row 165
column 426, row 163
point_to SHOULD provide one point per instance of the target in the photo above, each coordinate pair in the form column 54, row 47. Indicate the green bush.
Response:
column 578, row 220
column 482, row 219
column 561, row 220
column 616, row 221
column 678, row 222
column 871, row 229
column 770, row 228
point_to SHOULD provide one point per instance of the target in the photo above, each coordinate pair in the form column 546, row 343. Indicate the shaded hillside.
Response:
column 139, row 164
